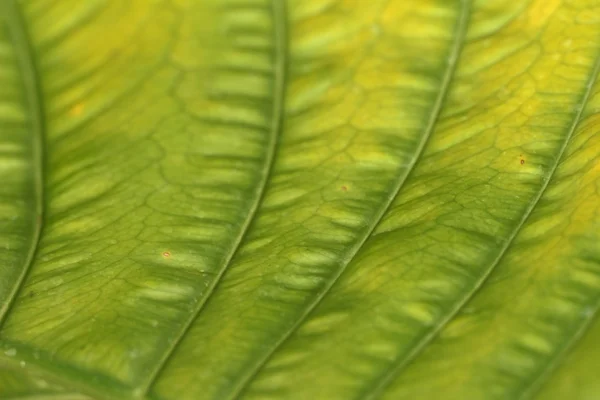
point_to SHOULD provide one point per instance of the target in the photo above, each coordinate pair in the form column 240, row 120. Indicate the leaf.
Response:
column 299, row 199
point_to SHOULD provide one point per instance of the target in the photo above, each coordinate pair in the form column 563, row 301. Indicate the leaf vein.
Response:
column 280, row 66
column 455, row 51
column 33, row 92
column 395, row 369
column 538, row 382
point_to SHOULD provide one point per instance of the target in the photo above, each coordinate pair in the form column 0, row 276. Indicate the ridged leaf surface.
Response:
column 299, row 199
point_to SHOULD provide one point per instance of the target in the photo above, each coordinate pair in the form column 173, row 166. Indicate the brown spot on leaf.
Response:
column 166, row 254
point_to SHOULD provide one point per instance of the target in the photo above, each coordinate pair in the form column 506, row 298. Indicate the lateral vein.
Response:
column 280, row 68
column 31, row 82
column 550, row 366
column 394, row 371
column 429, row 128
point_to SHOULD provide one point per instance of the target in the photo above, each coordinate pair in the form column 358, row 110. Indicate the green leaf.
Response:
column 299, row 199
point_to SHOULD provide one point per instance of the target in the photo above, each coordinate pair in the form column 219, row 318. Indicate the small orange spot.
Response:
column 166, row 254
column 76, row 109
column 522, row 161
column 345, row 188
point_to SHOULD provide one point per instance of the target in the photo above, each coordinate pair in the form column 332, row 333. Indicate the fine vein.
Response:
column 395, row 369
column 33, row 92
column 280, row 65
column 456, row 48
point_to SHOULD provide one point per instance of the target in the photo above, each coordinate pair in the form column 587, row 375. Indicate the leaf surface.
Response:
column 300, row 199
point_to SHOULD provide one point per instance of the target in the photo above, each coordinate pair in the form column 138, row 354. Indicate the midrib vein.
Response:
column 31, row 83
column 552, row 364
column 280, row 67
column 395, row 369
column 455, row 51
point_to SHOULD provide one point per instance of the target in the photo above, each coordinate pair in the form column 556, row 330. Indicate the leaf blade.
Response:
column 176, row 263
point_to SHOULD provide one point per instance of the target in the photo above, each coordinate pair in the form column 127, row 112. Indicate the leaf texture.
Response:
column 299, row 199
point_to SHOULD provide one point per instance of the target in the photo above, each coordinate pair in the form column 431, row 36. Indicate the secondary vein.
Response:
column 455, row 51
column 33, row 93
column 280, row 68
column 395, row 370
column 551, row 365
